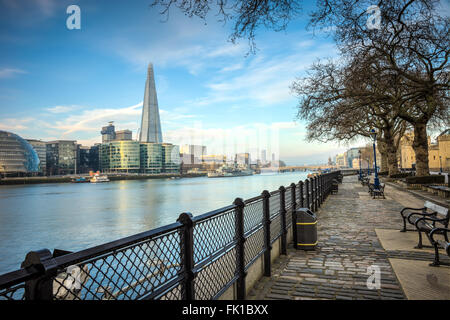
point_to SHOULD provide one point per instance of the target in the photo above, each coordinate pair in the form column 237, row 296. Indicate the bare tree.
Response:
column 412, row 42
column 343, row 102
column 247, row 15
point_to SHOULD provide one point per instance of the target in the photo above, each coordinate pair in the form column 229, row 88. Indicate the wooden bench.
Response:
column 441, row 191
column 437, row 243
column 376, row 192
column 365, row 181
column 429, row 209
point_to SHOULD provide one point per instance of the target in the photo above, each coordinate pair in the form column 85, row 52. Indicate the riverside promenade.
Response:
column 350, row 226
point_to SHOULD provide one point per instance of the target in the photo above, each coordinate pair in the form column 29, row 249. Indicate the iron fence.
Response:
column 192, row 259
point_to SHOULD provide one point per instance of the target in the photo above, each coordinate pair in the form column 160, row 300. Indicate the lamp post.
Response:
column 360, row 172
column 376, row 182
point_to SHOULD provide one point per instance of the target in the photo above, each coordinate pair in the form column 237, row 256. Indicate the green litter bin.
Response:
column 305, row 237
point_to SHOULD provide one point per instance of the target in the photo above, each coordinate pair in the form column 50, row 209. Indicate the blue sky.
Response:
column 57, row 83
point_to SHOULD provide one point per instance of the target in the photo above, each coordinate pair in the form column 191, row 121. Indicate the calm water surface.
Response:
column 72, row 216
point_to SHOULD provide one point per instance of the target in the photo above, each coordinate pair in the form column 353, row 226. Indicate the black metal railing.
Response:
column 192, row 259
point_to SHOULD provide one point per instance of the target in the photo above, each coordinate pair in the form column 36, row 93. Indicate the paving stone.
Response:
column 348, row 245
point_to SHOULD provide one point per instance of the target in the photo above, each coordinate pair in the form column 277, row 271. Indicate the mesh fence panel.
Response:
column 253, row 214
column 129, row 273
column 275, row 228
column 274, row 204
column 254, row 246
column 213, row 234
column 215, row 276
column 13, row 293
column 288, row 198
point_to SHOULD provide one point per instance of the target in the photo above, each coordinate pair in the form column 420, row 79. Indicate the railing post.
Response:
column 187, row 256
column 293, row 197
column 314, row 193
column 317, row 192
column 266, row 224
column 321, row 188
column 40, row 288
column 240, row 239
column 302, row 198
column 283, row 219
column 307, row 194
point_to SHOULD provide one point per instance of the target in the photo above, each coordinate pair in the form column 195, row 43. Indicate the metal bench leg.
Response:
column 404, row 223
column 419, row 245
column 436, row 262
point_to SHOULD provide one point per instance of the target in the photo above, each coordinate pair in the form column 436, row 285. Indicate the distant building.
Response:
column 151, row 157
column 214, row 158
column 123, row 135
column 438, row 153
column 17, row 156
column 41, row 150
column 341, row 160
column 171, row 158
column 120, row 156
column 197, row 152
column 263, row 156
column 88, row 159
column 108, row 132
column 243, row 159
column 150, row 122
column 62, row 157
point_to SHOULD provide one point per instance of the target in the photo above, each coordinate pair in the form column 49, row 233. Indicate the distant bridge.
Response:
column 297, row 168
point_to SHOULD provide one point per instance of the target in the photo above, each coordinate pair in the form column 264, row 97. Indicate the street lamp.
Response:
column 360, row 172
column 376, row 182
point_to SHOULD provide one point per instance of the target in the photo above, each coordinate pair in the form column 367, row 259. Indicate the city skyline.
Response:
column 209, row 89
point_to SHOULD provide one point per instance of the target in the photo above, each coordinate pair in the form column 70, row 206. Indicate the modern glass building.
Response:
column 171, row 158
column 151, row 157
column 62, row 157
column 41, row 150
column 17, row 156
column 120, row 156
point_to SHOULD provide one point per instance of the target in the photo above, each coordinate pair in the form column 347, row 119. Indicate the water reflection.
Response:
column 76, row 216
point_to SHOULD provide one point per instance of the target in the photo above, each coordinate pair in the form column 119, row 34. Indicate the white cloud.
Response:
column 10, row 72
column 60, row 109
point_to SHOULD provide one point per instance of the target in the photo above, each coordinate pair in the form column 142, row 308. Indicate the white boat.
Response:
column 98, row 178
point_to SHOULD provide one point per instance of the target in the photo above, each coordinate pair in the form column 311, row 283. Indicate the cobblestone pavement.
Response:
column 347, row 245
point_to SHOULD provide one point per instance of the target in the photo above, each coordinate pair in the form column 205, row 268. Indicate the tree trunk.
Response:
column 384, row 157
column 420, row 146
column 391, row 152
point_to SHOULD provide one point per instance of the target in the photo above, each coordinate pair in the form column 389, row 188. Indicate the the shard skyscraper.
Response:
column 150, row 122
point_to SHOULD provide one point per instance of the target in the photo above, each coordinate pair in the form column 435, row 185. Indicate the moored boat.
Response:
column 98, row 178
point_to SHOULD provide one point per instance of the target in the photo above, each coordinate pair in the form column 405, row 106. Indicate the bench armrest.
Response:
column 423, row 214
column 429, row 219
column 432, row 232
column 422, row 209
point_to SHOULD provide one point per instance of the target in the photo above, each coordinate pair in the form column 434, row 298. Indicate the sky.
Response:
column 57, row 83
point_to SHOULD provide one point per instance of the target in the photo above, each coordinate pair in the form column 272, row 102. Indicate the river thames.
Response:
column 73, row 216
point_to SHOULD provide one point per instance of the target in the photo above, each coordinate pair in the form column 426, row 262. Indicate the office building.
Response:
column 120, row 156
column 108, row 132
column 123, row 135
column 171, row 158
column 150, row 122
column 17, row 156
column 62, row 157
column 41, row 150
column 151, row 157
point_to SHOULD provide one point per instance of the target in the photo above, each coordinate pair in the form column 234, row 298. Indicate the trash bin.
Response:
column 334, row 186
column 306, row 229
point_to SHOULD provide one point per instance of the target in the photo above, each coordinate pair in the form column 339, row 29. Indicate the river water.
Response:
column 75, row 216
